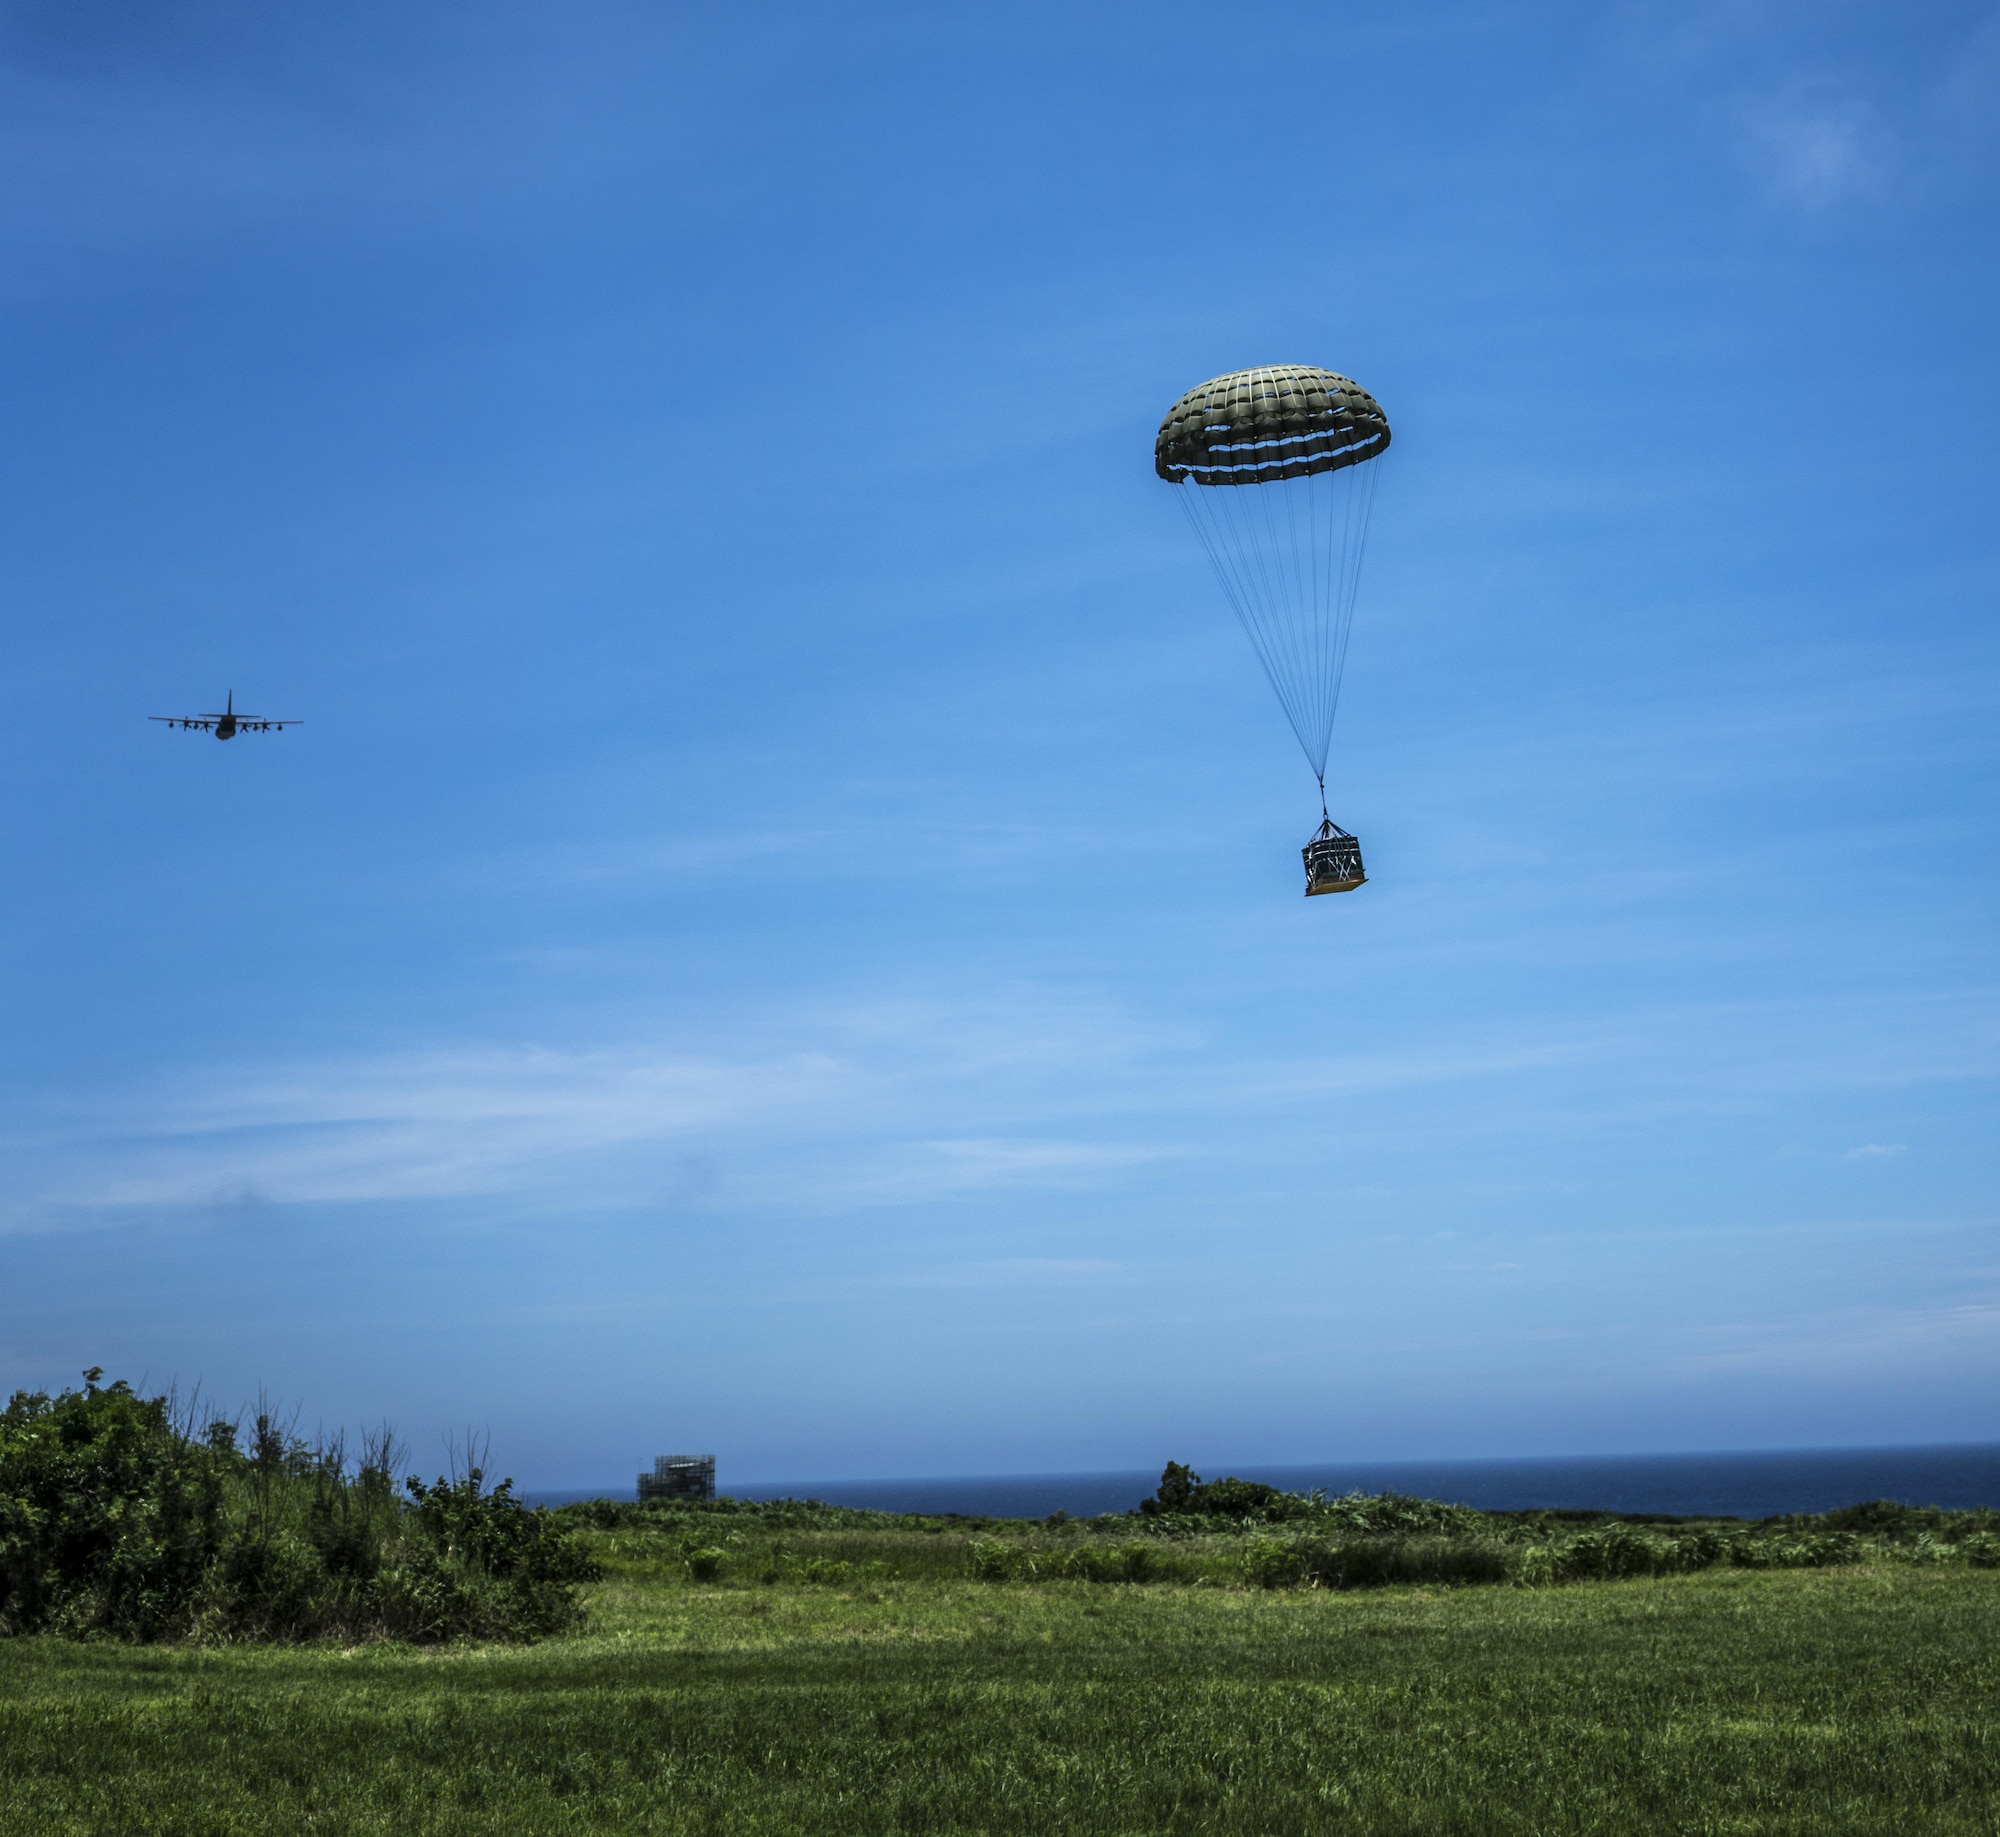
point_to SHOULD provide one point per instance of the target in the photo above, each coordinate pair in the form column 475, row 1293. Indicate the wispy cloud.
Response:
column 864, row 844
column 903, row 1101
column 1814, row 145
column 1971, row 81
column 1961, row 1337
column 913, row 1171
column 408, row 1125
column 871, row 1109
column 1017, row 1272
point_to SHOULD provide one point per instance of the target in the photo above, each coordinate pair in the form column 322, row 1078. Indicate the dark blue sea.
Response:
column 1695, row 1485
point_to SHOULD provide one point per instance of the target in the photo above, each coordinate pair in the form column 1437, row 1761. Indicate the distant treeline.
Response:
column 121, row 1515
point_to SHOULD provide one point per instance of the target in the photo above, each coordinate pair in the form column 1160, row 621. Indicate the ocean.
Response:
column 1736, row 1485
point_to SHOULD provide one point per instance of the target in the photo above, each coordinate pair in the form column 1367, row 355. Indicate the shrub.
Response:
column 1185, row 1504
column 705, row 1564
column 493, row 1569
column 1388, row 1514
column 1981, row 1549
column 1183, row 1493
column 1271, row 1562
column 701, row 1515
column 1382, row 1562
column 109, row 1520
column 1883, row 1518
column 1375, row 1562
column 117, row 1519
column 825, row 1571
column 1097, row 1563
column 1621, row 1551
column 1606, row 1553
column 993, row 1560
column 1924, row 1550
column 1805, row 1550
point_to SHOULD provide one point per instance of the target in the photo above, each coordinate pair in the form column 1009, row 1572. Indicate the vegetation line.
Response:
column 128, row 1516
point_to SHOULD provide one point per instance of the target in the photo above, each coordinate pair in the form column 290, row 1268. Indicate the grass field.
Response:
column 895, row 1693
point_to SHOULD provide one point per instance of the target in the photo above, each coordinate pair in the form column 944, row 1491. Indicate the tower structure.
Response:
column 679, row 1476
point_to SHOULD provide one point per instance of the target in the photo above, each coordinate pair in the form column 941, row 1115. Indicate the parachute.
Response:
column 1271, row 468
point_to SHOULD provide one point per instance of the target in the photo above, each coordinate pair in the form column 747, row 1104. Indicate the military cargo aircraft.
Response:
column 228, row 724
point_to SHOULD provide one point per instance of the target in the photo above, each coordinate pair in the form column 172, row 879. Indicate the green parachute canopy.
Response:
column 1282, row 421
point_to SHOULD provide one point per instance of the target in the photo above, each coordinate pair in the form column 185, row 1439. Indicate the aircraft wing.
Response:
column 245, row 723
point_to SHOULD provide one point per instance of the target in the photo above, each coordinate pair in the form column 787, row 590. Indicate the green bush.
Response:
column 824, row 1571
column 109, row 1521
column 1187, row 1505
column 1982, row 1550
column 1621, row 1551
column 117, row 1519
column 705, row 1564
column 1923, row 1550
column 1883, row 1518
column 1799, row 1550
column 1273, row 1562
column 1395, row 1514
column 1099, row 1563
column 1184, row 1494
column 706, row 1516
column 994, row 1560
column 1610, row 1552
column 1376, row 1562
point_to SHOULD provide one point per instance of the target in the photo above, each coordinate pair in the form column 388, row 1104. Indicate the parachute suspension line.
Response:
column 1353, row 550
column 1249, row 515
column 1281, row 548
column 1288, row 556
column 1244, row 556
column 1239, row 586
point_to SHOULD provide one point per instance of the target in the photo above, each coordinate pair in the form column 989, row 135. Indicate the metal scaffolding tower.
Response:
column 679, row 1476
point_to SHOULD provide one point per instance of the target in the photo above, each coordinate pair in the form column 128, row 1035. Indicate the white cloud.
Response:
column 1813, row 146
column 900, row 1102
column 1971, row 81
column 871, row 1108
column 906, row 1172
column 1018, row 1272
column 1962, row 1338
column 409, row 1126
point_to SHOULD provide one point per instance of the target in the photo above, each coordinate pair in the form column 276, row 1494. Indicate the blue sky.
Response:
column 781, row 932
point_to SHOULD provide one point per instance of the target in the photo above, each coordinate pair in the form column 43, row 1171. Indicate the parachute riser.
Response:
column 1288, row 555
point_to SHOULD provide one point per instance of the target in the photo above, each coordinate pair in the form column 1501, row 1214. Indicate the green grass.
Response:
column 1813, row 1702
